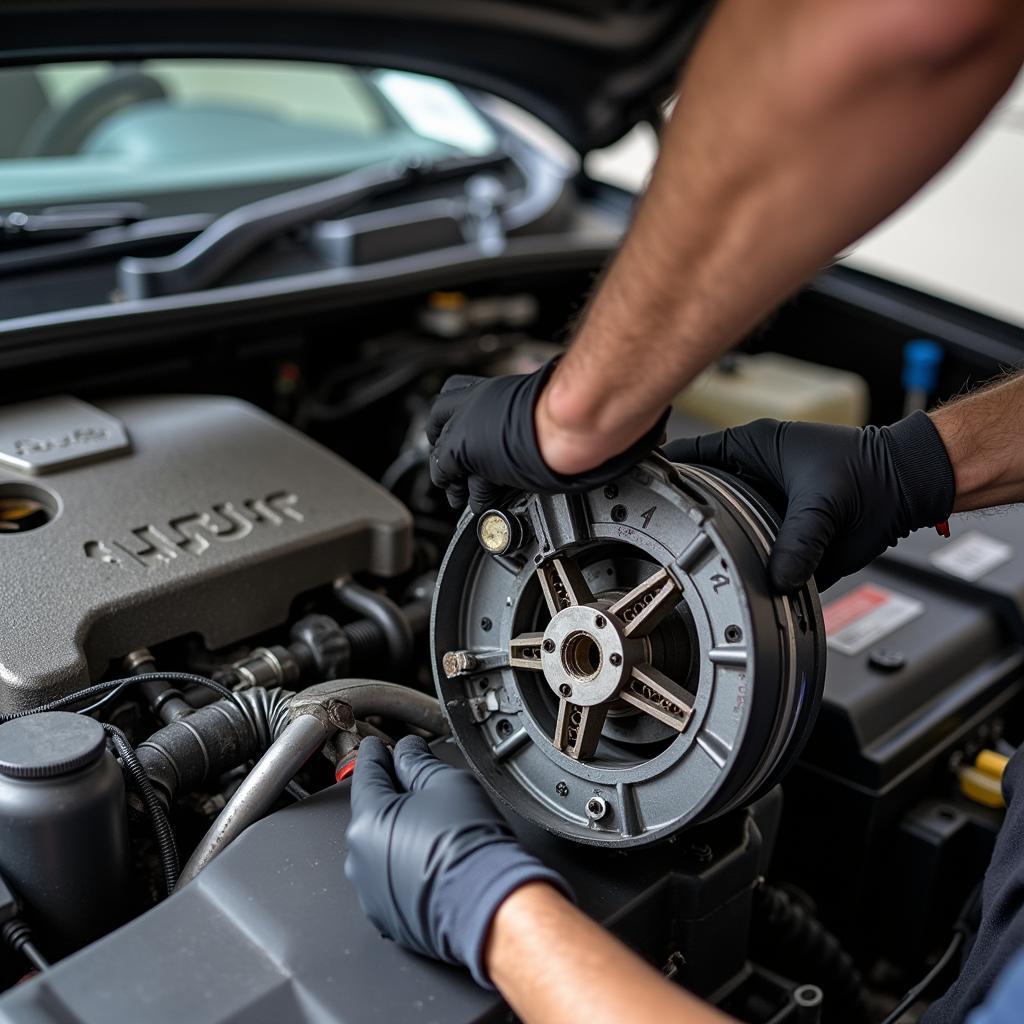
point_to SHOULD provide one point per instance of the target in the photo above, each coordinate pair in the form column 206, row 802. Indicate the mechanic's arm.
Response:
column 438, row 870
column 848, row 493
column 984, row 436
column 800, row 124
column 553, row 964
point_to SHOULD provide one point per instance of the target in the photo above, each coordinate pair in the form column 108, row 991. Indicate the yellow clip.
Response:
column 991, row 763
column 981, row 787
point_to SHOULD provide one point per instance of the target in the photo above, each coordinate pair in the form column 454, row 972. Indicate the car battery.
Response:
column 925, row 667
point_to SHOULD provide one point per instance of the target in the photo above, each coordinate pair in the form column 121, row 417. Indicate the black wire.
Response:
column 162, row 830
column 296, row 790
column 96, row 705
column 918, row 990
column 17, row 934
column 33, row 956
column 117, row 684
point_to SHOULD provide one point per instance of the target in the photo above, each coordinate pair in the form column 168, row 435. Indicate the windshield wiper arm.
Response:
column 20, row 228
column 235, row 235
column 105, row 242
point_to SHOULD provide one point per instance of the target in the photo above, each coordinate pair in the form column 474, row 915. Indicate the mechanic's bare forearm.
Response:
column 799, row 125
column 984, row 436
column 553, row 964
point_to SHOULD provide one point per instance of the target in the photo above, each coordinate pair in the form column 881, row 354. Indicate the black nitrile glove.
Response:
column 484, row 443
column 847, row 493
column 431, row 858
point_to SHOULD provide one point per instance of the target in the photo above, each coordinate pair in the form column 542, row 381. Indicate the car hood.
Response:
column 590, row 69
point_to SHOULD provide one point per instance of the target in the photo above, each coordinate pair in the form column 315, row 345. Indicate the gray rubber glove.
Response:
column 429, row 855
column 845, row 493
column 484, row 442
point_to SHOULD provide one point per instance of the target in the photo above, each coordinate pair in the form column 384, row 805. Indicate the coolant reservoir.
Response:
column 746, row 387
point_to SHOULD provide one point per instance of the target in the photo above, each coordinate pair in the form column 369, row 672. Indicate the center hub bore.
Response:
column 583, row 656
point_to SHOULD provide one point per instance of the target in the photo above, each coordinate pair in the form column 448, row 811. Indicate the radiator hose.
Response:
column 309, row 725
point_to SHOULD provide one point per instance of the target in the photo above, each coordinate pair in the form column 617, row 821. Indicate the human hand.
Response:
column 483, row 439
column 429, row 855
column 848, row 493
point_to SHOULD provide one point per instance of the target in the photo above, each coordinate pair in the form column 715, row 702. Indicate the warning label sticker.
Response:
column 865, row 615
column 971, row 556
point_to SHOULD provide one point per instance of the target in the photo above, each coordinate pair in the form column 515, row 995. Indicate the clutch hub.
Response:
column 614, row 664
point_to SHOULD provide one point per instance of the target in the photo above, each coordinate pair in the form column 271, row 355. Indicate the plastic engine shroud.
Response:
column 614, row 665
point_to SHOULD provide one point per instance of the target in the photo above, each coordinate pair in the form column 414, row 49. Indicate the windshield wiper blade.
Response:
column 235, row 235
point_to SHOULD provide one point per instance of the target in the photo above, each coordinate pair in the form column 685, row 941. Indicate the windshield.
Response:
column 95, row 131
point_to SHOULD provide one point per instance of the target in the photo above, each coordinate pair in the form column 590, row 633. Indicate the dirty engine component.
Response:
column 614, row 664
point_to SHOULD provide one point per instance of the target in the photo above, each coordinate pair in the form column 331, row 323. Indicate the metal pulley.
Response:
column 614, row 664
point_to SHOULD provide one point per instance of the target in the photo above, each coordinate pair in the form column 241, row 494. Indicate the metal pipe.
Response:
column 300, row 740
column 302, row 737
column 376, row 697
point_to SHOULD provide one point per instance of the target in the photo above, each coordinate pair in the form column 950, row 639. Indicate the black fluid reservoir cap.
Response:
column 49, row 744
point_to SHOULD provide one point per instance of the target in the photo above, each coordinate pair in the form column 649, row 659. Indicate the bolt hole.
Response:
column 619, row 513
column 504, row 728
column 733, row 634
column 486, row 624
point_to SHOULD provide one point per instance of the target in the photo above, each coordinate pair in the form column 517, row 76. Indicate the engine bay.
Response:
column 212, row 597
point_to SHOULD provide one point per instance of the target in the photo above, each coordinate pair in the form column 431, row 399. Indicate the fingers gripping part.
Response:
column 415, row 765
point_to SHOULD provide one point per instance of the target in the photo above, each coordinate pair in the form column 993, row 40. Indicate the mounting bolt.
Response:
column 562, row 789
column 619, row 513
column 596, row 808
column 611, row 491
column 600, row 622
column 733, row 634
column 615, row 658
column 486, row 624
column 504, row 727
column 565, row 690
column 549, row 645
column 457, row 663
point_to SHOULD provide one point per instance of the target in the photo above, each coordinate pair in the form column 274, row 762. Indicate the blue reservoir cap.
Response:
column 921, row 361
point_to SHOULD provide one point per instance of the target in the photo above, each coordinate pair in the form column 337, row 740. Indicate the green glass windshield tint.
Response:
column 96, row 131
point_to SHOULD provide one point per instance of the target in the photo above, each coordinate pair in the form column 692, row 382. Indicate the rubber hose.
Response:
column 162, row 831
column 301, row 738
column 183, row 756
column 386, row 614
column 781, row 924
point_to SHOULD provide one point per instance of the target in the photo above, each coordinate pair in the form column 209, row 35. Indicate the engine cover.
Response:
column 157, row 517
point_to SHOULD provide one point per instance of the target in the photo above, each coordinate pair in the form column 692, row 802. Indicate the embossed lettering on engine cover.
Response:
column 153, row 545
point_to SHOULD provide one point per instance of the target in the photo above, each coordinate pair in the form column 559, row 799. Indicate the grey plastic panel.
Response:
column 272, row 931
column 51, row 433
column 213, row 523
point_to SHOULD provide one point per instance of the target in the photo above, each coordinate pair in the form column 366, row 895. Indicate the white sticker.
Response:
column 971, row 556
column 865, row 615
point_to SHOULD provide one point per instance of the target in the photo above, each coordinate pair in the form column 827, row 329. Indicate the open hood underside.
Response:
column 590, row 69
